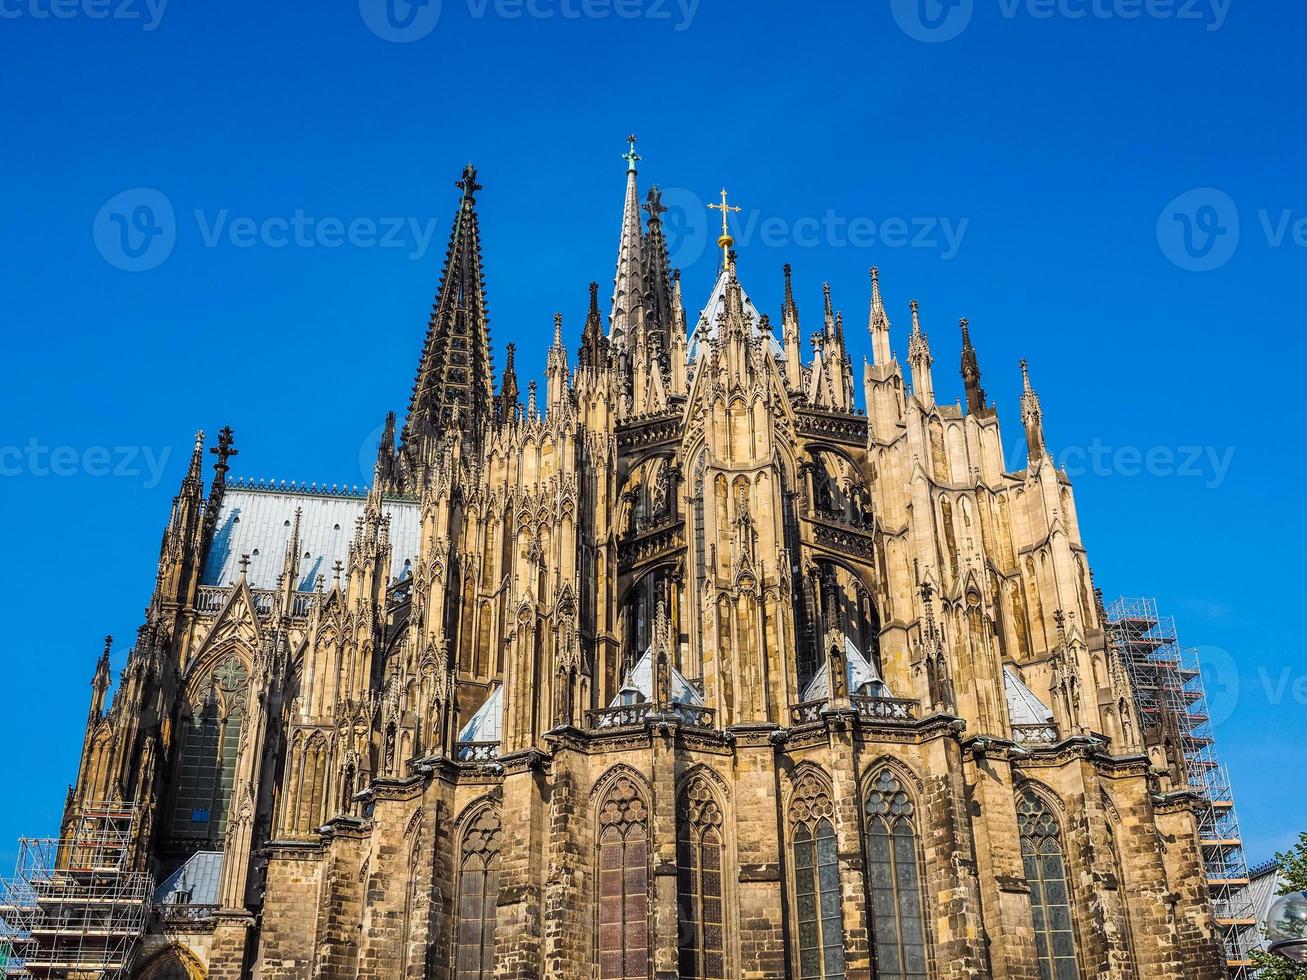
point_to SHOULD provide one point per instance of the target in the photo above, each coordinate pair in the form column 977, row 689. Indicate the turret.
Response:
column 971, row 373
column 508, row 403
column 919, row 361
column 556, row 370
column 1032, row 417
column 790, row 335
column 455, row 379
column 878, row 325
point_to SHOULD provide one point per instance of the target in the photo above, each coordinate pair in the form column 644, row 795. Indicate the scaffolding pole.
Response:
column 75, row 909
column 1168, row 684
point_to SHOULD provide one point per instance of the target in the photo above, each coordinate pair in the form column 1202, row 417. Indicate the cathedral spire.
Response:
column 919, row 360
column 593, row 342
column 828, row 318
column 556, row 372
column 878, row 324
column 660, row 315
column 1032, row 417
column 971, row 372
column 455, row 382
column 101, row 681
column 508, row 390
column 627, row 291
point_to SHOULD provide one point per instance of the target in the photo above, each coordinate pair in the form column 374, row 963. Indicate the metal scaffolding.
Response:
column 75, row 909
column 1168, row 685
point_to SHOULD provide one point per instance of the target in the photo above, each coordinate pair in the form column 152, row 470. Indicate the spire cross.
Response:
column 630, row 156
column 244, row 564
column 724, row 208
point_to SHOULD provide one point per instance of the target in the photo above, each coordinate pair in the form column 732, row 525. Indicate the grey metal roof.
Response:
column 1022, row 705
column 258, row 523
column 706, row 328
column 194, row 883
column 640, row 679
column 862, row 677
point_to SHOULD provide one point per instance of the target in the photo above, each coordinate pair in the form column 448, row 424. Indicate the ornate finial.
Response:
column 531, row 398
column 916, row 316
column 630, row 156
column 558, row 330
column 825, row 294
column 245, row 565
column 1025, row 375
column 875, row 276
column 654, row 207
column 725, row 241
column 966, row 332
column 468, row 185
column 108, row 645
column 594, row 297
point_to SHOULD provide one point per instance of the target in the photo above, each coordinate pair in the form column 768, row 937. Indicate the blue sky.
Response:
column 1111, row 189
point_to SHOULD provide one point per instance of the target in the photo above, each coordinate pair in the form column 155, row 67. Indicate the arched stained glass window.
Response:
column 1050, row 897
column 818, row 911
column 623, row 883
column 894, row 882
column 209, row 739
column 699, row 883
column 478, row 899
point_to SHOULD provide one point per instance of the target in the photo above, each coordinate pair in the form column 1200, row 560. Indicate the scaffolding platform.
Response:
column 75, row 908
column 1172, row 701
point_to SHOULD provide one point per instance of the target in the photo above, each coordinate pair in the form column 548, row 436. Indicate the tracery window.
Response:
column 818, row 913
column 1050, row 897
column 699, row 883
column 478, row 898
column 894, row 881
column 209, row 740
column 623, row 883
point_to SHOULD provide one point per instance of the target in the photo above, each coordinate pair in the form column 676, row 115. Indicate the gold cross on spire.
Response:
column 726, row 241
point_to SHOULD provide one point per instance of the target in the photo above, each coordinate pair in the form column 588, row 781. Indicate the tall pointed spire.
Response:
column 594, row 344
column 788, row 308
column 1032, row 417
column 828, row 318
column 627, row 284
column 455, row 379
column 556, row 370
column 508, row 390
column 878, row 324
column 660, row 316
column 971, row 372
column 919, row 360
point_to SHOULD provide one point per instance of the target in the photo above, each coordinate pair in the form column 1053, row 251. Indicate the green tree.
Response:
column 1293, row 866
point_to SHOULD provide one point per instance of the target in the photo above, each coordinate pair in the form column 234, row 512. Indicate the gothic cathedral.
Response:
column 688, row 667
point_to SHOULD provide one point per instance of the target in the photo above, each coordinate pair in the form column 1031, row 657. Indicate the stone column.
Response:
column 760, row 892
column 519, row 932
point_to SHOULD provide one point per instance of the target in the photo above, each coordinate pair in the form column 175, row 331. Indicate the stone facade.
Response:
column 689, row 668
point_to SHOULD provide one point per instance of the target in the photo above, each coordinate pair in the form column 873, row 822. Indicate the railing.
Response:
column 183, row 913
column 478, row 751
column 209, row 600
column 885, row 709
column 806, row 711
column 621, row 716
column 696, row 716
column 1035, row 734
